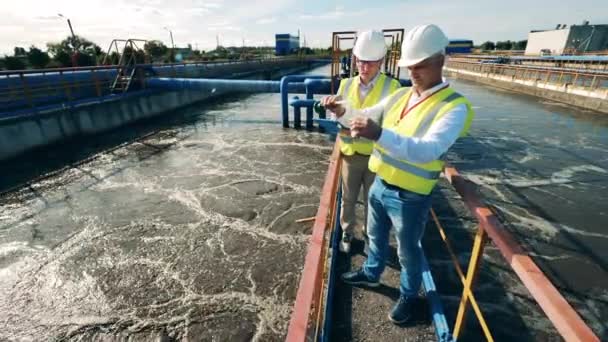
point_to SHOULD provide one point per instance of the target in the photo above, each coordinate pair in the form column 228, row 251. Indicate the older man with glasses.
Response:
column 362, row 91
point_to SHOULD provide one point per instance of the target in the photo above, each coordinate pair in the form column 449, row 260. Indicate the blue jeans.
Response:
column 407, row 212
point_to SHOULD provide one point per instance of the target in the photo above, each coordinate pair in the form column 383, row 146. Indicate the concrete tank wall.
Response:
column 589, row 99
column 22, row 133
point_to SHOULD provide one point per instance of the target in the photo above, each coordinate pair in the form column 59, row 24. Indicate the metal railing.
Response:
column 307, row 319
column 563, row 317
column 31, row 89
column 573, row 63
column 587, row 80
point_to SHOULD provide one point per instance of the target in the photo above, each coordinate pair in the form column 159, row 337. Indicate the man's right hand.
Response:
column 329, row 102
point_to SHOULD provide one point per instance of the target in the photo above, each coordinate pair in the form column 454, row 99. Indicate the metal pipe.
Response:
column 284, row 92
column 297, row 116
column 215, row 84
column 312, row 86
column 297, row 103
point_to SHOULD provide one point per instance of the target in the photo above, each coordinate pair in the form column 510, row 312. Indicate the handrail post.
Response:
column 471, row 278
column 66, row 86
column 96, row 80
column 26, row 90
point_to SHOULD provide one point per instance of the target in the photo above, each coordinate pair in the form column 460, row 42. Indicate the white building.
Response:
column 563, row 39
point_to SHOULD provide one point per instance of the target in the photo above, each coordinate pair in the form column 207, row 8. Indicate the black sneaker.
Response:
column 359, row 278
column 402, row 311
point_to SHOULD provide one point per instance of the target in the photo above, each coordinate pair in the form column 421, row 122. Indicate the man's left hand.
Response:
column 365, row 127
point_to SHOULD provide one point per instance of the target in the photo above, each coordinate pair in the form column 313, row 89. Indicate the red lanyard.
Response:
column 407, row 110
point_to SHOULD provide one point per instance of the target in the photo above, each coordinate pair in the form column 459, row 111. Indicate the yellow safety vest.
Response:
column 349, row 88
column 415, row 177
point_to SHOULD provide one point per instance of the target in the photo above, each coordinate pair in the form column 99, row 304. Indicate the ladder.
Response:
column 127, row 64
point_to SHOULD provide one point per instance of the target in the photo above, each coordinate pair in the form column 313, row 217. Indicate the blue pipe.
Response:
column 335, row 241
column 284, row 92
column 315, row 86
column 442, row 330
column 297, row 121
column 296, row 103
column 215, row 84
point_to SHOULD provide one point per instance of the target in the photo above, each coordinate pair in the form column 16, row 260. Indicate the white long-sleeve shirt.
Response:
column 364, row 89
column 434, row 143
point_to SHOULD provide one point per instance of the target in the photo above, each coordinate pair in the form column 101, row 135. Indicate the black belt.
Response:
column 390, row 186
column 359, row 154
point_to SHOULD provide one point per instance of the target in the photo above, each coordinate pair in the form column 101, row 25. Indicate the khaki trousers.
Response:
column 355, row 174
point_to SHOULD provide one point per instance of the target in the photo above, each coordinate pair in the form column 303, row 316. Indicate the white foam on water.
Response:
column 44, row 294
column 551, row 257
column 12, row 247
column 530, row 155
column 552, row 141
column 569, row 172
column 525, row 219
column 562, row 177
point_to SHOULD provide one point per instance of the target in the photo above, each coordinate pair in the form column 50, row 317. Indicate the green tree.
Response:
column 129, row 52
column 85, row 59
column 19, row 51
column 506, row 45
column 37, row 58
column 69, row 46
column 13, row 63
column 488, row 46
column 155, row 49
column 520, row 45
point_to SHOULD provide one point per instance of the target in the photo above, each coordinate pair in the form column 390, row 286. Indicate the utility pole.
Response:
column 74, row 56
column 172, row 56
column 69, row 24
column 171, row 35
column 217, row 41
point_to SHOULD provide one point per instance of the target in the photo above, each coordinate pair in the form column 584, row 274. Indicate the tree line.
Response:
column 79, row 51
column 504, row 45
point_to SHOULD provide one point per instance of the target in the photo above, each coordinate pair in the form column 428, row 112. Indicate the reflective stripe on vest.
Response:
column 424, row 126
column 411, row 168
column 347, row 84
column 396, row 96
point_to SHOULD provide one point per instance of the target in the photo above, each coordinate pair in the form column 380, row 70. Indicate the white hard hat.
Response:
column 370, row 46
column 420, row 43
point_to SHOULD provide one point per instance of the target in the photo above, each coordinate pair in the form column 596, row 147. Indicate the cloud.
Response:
column 198, row 11
column 337, row 13
column 47, row 17
column 263, row 21
column 212, row 5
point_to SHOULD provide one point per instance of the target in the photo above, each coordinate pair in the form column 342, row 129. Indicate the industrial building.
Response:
column 459, row 46
column 286, row 44
column 568, row 40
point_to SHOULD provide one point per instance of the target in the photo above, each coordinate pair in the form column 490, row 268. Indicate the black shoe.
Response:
column 402, row 311
column 359, row 278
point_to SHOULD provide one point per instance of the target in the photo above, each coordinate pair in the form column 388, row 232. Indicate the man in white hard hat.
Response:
column 419, row 125
column 362, row 91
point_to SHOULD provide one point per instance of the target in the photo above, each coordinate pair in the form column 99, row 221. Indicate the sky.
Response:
column 255, row 22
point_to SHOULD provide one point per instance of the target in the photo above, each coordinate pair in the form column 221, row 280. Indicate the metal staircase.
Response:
column 127, row 63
